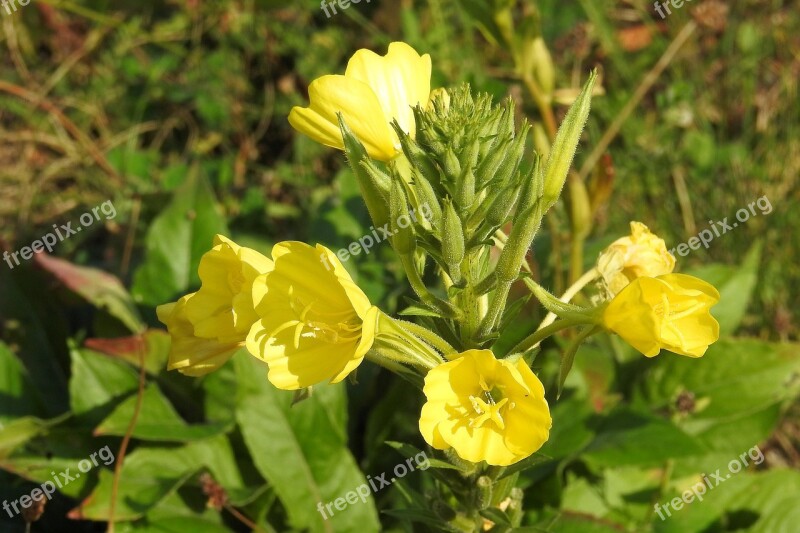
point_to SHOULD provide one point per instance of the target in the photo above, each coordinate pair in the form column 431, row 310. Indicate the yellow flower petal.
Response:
column 360, row 108
column 315, row 323
column 485, row 409
column 401, row 80
column 207, row 327
column 666, row 312
column 374, row 91
column 641, row 254
column 189, row 354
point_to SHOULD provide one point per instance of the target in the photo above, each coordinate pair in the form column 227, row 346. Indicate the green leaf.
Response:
column 408, row 451
column 19, row 395
column 529, row 462
column 158, row 420
column 735, row 285
column 97, row 384
column 736, row 379
column 628, row 437
column 497, row 516
column 18, row 432
column 34, row 324
column 764, row 502
column 176, row 240
column 149, row 475
column 97, row 287
column 302, row 450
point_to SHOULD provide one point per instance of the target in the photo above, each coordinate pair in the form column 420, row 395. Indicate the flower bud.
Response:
column 559, row 160
column 640, row 254
column 373, row 186
column 452, row 242
column 404, row 239
column 452, row 167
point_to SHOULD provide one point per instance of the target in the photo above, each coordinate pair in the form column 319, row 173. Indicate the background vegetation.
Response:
column 176, row 112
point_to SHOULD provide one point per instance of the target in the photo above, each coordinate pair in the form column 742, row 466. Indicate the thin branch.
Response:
column 141, row 343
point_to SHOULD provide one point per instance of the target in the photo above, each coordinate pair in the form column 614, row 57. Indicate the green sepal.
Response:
column 374, row 189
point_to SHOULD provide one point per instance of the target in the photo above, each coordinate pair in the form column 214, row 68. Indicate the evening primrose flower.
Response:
column 670, row 312
column 373, row 91
column 640, row 254
column 485, row 409
column 209, row 325
column 188, row 353
column 315, row 323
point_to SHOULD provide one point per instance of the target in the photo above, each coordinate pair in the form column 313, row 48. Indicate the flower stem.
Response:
column 428, row 336
column 415, row 280
column 534, row 339
column 569, row 294
column 402, row 340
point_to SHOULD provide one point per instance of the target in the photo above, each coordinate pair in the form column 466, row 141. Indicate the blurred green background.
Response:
column 176, row 112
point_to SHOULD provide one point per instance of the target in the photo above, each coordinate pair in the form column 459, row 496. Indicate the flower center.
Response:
column 332, row 326
column 489, row 406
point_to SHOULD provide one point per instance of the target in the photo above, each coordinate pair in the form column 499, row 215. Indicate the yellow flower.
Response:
column 670, row 312
column 373, row 91
column 189, row 354
column 639, row 254
column 315, row 323
column 485, row 409
column 209, row 325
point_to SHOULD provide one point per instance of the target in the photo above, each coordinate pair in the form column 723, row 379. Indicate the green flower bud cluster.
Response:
column 472, row 170
column 468, row 161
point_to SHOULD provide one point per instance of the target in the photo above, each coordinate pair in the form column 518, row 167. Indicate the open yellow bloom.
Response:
column 485, row 409
column 670, row 312
column 209, row 325
column 373, row 91
column 188, row 353
column 315, row 323
column 640, row 254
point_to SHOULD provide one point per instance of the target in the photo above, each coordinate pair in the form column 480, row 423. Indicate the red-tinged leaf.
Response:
column 99, row 288
column 154, row 344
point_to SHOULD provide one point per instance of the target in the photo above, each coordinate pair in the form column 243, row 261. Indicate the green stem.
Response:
column 468, row 301
column 382, row 358
column 496, row 306
column 569, row 294
column 428, row 336
column 533, row 340
column 403, row 340
column 415, row 280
